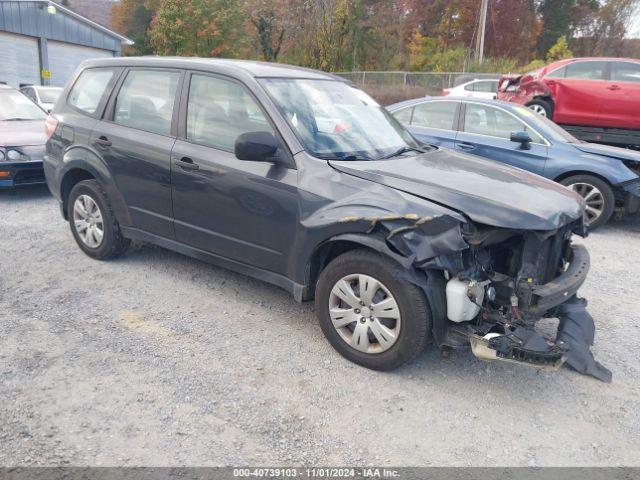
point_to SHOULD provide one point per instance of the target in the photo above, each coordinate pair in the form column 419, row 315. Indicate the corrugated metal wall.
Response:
column 31, row 18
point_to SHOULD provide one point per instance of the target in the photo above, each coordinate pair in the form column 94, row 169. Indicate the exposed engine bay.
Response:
column 491, row 294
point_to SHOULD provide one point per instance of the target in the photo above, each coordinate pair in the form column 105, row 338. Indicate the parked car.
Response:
column 22, row 139
column 598, row 99
column 45, row 97
column 608, row 178
column 248, row 165
column 476, row 88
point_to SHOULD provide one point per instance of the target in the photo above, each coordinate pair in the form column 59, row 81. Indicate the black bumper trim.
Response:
column 566, row 285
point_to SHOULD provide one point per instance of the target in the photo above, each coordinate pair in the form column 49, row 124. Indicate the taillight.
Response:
column 50, row 125
column 445, row 92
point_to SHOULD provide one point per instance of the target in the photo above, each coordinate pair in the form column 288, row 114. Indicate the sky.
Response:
column 635, row 25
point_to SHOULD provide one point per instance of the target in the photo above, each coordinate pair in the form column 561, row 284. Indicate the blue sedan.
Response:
column 608, row 178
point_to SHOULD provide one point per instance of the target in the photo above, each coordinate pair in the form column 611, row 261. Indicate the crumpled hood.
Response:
column 22, row 133
column 485, row 191
column 607, row 151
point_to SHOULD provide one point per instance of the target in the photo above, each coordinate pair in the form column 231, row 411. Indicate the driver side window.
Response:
column 492, row 122
column 221, row 110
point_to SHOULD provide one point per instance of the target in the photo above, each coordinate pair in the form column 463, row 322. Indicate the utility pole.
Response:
column 481, row 30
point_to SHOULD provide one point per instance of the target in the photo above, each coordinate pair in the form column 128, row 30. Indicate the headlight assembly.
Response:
column 2, row 157
column 13, row 155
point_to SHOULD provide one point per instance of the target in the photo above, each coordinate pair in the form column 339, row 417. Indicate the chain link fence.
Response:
column 390, row 87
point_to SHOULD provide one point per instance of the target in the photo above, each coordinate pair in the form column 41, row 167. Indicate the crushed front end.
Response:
column 491, row 294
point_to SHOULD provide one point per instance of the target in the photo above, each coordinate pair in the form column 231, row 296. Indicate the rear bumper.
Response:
column 17, row 174
column 514, row 97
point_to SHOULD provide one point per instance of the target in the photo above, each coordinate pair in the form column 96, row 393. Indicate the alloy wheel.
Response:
column 539, row 109
column 87, row 220
column 364, row 313
column 593, row 198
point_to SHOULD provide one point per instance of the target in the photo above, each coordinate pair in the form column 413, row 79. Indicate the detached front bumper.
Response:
column 565, row 286
column 631, row 194
column 23, row 173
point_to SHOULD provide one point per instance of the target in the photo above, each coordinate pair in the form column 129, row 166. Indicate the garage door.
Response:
column 19, row 60
column 64, row 58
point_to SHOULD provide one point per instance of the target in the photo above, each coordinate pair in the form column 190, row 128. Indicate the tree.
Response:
column 132, row 18
column 267, row 22
column 205, row 28
column 559, row 51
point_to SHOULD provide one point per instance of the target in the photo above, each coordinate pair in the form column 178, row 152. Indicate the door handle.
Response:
column 466, row 146
column 613, row 87
column 186, row 163
column 102, row 142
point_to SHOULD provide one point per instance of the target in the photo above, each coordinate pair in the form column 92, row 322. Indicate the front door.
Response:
column 487, row 131
column 246, row 211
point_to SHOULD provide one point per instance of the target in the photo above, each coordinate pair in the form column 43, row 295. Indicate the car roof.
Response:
column 5, row 87
column 454, row 98
column 242, row 67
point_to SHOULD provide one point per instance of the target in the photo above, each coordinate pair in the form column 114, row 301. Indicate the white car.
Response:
column 45, row 97
column 478, row 88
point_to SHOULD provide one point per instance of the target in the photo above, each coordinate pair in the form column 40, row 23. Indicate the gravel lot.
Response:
column 159, row 359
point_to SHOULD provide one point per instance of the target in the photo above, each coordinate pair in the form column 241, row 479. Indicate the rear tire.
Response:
column 394, row 330
column 599, row 197
column 541, row 107
column 92, row 222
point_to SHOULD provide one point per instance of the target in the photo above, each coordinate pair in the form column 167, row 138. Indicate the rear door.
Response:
column 579, row 91
column 434, row 122
column 135, row 140
column 622, row 108
column 486, row 131
column 246, row 211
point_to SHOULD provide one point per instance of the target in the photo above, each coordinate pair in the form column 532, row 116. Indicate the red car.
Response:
column 601, row 94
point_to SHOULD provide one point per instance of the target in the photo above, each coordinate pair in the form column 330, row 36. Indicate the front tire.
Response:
column 368, row 314
column 92, row 222
column 598, row 196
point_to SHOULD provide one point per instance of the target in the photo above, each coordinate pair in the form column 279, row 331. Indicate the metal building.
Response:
column 42, row 43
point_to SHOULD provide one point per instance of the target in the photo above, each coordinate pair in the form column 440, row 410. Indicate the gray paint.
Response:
column 32, row 18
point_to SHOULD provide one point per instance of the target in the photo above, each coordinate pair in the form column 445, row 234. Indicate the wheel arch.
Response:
column 82, row 164
column 331, row 248
column 572, row 173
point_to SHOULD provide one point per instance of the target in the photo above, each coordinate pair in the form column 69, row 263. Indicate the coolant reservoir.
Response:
column 459, row 307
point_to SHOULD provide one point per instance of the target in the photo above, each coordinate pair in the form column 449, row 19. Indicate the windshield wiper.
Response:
column 401, row 151
column 349, row 158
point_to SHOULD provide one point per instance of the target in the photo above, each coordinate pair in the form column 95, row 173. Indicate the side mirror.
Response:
column 523, row 138
column 256, row 146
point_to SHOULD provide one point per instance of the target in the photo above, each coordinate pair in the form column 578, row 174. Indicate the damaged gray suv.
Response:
column 298, row 178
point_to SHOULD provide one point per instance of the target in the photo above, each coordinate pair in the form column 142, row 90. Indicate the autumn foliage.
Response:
column 335, row 35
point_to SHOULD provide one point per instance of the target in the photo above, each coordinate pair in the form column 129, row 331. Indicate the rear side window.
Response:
column 219, row 111
column 586, row 70
column 625, row 72
column 404, row 115
column 435, row 115
column 146, row 100
column 486, row 86
column 89, row 89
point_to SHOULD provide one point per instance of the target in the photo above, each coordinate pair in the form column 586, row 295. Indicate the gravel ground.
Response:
column 158, row 359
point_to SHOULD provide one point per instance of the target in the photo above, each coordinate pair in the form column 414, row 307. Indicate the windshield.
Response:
column 15, row 106
column 49, row 95
column 546, row 127
column 336, row 121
